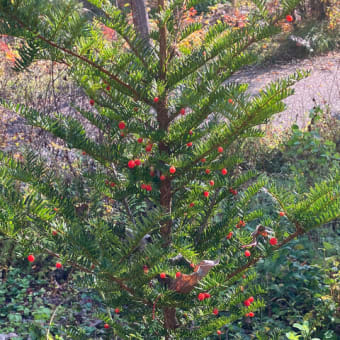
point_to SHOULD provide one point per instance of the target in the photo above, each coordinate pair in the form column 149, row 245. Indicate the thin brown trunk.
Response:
column 170, row 321
column 165, row 201
column 140, row 19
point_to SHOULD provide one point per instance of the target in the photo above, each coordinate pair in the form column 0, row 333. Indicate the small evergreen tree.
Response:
column 171, row 255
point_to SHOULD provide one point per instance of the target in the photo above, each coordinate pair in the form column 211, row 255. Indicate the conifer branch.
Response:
column 246, row 123
column 208, row 214
column 133, row 93
column 256, row 259
column 102, row 13
column 119, row 281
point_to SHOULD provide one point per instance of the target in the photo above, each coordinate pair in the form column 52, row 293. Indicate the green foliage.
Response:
column 121, row 253
column 33, row 307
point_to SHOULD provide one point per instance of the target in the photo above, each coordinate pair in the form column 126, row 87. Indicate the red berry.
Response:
column 83, row 153
column 240, row 224
column 30, row 258
column 215, row 311
column 212, row 183
column 207, row 295
column 247, row 314
column 220, row 149
column 145, row 269
column 152, row 173
column 219, row 332
column 137, row 161
column 207, row 171
column 178, row 274
column 122, row 134
column 131, row 164
column 58, row 265
column 106, row 326
column 140, row 140
column 243, row 276
column 112, row 184
column 156, row 100
column 203, row 160
column 148, row 148
column 206, row 194
column 247, row 253
column 117, row 310
column 143, row 186
column 191, row 204
column 224, row 171
column 229, row 235
column 54, row 232
column 172, row 169
column 121, row 125
column 281, row 213
column 91, row 102
column 251, row 299
column 234, row 192
column 190, row 132
column 182, row 111
column 148, row 187
column 162, row 177
column 189, row 144
column 230, row 101
column 162, row 275
column 289, row 18
column 247, row 303
column 273, row 241
column 201, row 296
column 108, row 88
column 251, row 314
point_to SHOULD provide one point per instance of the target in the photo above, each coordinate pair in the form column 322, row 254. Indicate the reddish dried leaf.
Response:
column 186, row 283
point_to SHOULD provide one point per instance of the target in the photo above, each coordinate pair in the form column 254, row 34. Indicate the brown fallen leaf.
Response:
column 186, row 283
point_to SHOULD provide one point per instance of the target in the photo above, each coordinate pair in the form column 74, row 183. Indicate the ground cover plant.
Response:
column 170, row 256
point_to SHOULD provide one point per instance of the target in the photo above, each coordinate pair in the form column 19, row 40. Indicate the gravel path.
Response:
column 323, row 85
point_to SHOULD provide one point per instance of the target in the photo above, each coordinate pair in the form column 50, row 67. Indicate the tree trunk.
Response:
column 140, row 19
column 317, row 9
column 170, row 321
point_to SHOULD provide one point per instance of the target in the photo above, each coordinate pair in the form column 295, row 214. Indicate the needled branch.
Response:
column 208, row 214
column 133, row 93
column 256, row 259
column 165, row 201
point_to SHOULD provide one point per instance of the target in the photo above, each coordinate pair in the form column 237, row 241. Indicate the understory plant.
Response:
column 161, row 224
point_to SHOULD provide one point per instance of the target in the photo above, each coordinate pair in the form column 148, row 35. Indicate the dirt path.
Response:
column 323, row 85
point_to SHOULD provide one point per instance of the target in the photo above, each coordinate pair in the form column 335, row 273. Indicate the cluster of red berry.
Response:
column 146, row 187
column 111, row 184
column 240, row 224
column 132, row 163
column 248, row 302
column 203, row 296
column 233, row 191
